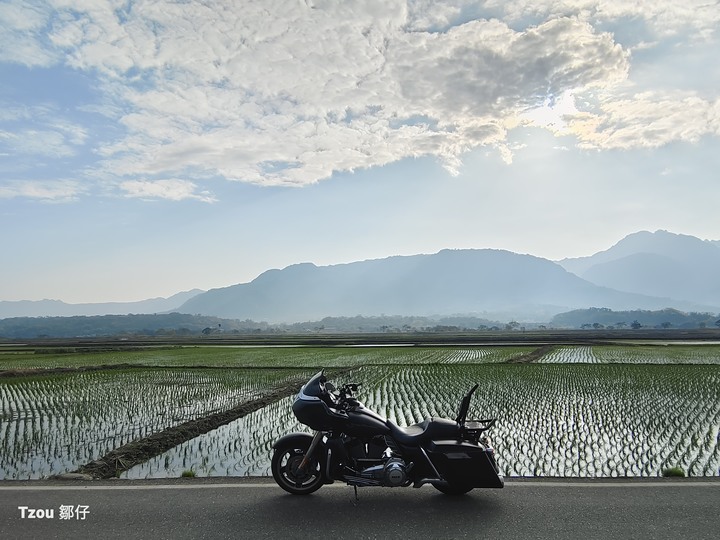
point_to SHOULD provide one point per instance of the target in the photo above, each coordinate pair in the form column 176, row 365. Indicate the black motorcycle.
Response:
column 355, row 445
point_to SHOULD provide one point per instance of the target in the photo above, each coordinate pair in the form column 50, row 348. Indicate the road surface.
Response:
column 257, row 508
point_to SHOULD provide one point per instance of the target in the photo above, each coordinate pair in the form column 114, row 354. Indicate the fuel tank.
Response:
column 362, row 422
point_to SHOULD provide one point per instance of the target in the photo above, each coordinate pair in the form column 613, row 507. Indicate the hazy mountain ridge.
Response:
column 662, row 264
column 489, row 283
column 57, row 308
column 644, row 271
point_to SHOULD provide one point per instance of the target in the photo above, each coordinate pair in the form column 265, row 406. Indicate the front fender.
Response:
column 293, row 438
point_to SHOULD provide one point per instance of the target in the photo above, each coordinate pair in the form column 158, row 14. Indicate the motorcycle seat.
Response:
column 427, row 430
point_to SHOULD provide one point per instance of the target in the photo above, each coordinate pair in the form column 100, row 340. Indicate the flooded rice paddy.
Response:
column 580, row 411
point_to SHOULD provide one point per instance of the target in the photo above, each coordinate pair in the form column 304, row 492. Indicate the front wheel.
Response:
column 289, row 475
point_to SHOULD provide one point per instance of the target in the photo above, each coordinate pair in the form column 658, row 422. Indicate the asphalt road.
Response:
column 257, row 508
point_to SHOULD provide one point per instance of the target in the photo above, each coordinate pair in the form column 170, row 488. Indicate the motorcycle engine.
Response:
column 395, row 472
column 392, row 474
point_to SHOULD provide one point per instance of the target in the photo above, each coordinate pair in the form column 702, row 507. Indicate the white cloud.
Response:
column 21, row 28
column 35, row 142
column 171, row 189
column 43, row 190
column 323, row 91
column 646, row 120
column 273, row 92
column 663, row 18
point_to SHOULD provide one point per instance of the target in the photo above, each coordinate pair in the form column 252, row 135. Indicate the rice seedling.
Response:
column 553, row 420
column 615, row 410
column 54, row 423
column 263, row 357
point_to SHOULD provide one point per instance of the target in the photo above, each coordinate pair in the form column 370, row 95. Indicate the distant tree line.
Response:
column 170, row 324
column 179, row 324
column 603, row 318
column 392, row 323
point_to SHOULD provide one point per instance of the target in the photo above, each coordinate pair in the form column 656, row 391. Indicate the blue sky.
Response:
column 150, row 147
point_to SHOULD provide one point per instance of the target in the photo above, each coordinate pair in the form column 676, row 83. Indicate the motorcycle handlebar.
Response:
column 350, row 387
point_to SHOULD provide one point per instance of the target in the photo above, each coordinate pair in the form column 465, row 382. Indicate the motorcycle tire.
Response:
column 453, row 489
column 285, row 469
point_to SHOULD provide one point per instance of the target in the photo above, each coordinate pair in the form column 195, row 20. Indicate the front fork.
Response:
column 317, row 439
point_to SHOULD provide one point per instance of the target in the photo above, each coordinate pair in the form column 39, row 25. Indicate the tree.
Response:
column 635, row 325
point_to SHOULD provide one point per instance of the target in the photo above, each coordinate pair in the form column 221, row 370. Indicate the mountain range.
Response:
column 57, row 308
column 645, row 270
column 664, row 264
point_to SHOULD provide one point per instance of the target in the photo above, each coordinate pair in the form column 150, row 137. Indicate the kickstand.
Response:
column 356, row 495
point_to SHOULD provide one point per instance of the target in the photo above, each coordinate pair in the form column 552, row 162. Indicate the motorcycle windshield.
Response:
column 314, row 388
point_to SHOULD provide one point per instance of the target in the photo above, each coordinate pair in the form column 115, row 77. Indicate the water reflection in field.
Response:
column 55, row 423
column 554, row 420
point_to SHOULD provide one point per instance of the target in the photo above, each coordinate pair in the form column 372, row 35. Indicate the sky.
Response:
column 152, row 147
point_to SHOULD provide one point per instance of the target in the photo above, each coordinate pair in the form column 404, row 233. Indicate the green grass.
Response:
column 673, row 472
column 263, row 356
column 314, row 357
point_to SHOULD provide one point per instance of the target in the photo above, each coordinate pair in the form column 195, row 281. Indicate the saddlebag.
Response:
column 461, row 462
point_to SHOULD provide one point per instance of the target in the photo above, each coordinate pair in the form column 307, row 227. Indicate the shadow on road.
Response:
column 401, row 512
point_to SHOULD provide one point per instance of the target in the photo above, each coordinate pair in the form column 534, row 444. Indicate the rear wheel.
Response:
column 287, row 470
column 453, row 488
